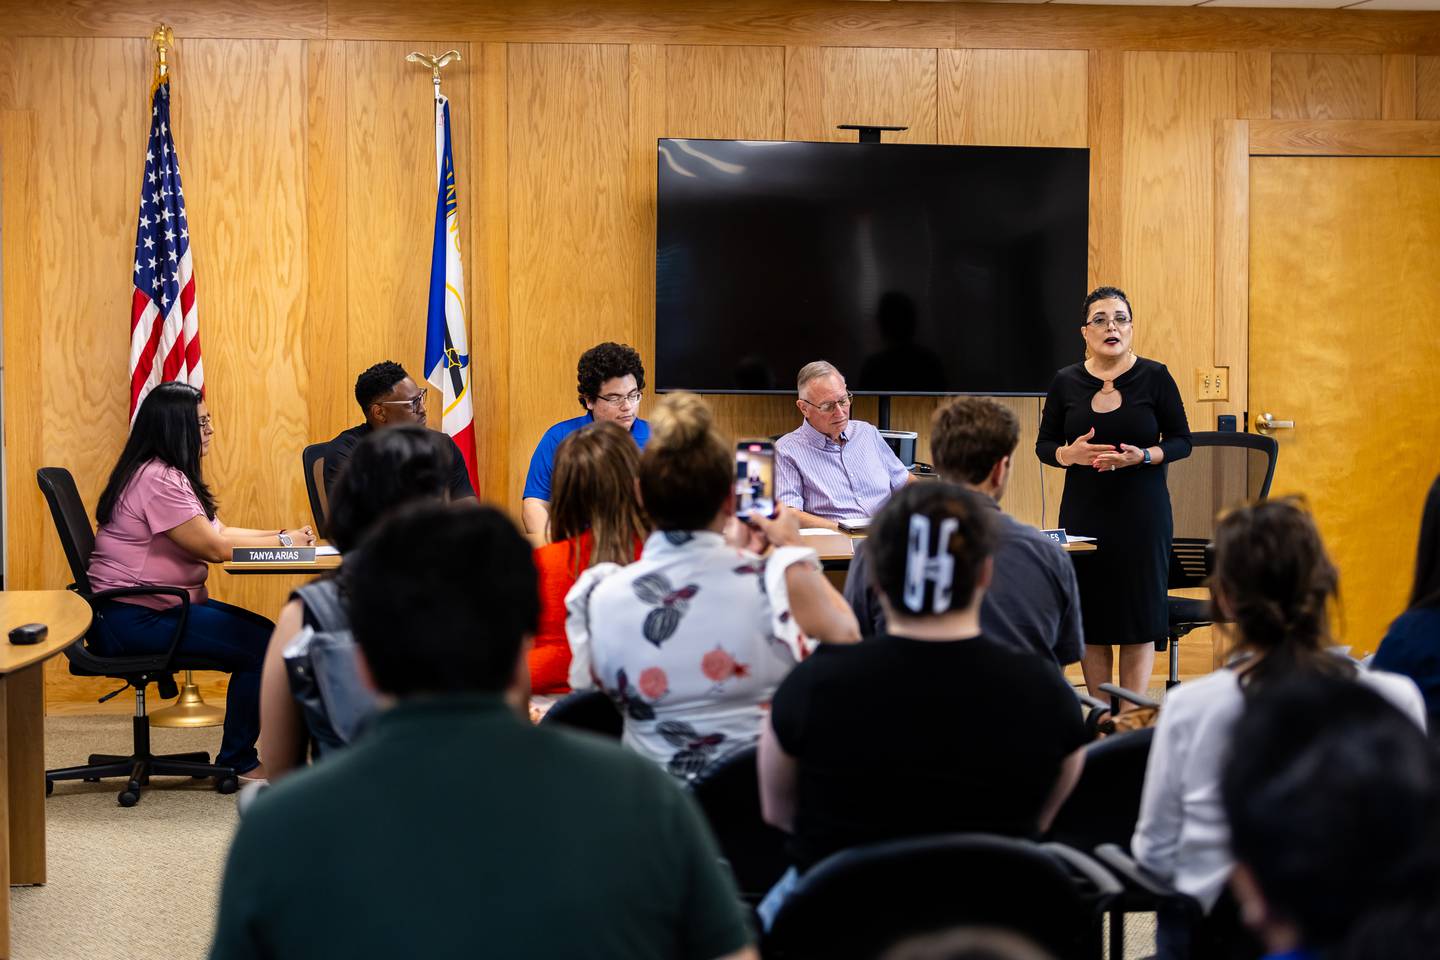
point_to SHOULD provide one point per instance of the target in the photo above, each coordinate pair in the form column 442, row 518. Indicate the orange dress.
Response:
column 550, row 656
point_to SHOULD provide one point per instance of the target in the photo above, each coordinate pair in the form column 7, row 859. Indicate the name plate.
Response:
column 1057, row 535
column 273, row 555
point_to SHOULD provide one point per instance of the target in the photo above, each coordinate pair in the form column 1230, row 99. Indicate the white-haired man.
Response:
column 832, row 468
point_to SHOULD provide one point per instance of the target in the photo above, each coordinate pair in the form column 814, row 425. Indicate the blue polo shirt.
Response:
column 542, row 461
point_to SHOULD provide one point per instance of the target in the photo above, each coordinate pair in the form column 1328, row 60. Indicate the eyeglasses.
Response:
column 829, row 406
column 621, row 399
column 416, row 403
column 1100, row 323
column 205, row 423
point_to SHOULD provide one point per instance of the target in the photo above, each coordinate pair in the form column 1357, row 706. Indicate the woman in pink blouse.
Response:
column 158, row 527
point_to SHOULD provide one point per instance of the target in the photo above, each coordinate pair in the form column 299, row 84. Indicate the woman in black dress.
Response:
column 1111, row 421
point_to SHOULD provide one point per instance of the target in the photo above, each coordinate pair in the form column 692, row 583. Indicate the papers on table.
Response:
column 327, row 551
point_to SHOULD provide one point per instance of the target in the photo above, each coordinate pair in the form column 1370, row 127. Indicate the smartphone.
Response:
column 754, row 479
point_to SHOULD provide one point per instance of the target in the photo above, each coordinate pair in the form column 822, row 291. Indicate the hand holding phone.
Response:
column 754, row 479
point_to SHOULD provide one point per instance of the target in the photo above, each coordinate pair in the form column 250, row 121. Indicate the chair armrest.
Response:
column 1120, row 693
column 1082, row 864
column 180, row 593
column 1143, row 881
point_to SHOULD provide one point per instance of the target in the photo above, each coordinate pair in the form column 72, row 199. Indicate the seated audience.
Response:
column 450, row 828
column 1033, row 604
column 159, row 525
column 896, row 736
column 1274, row 583
column 610, row 380
column 389, row 398
column 1333, row 802
column 832, row 468
column 1412, row 645
column 693, row 638
column 596, row 518
column 387, row 470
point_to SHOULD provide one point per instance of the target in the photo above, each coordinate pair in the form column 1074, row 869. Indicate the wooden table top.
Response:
column 64, row 612
column 841, row 546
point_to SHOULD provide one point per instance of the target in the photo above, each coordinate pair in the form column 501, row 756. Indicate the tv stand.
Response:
column 882, row 413
column 868, row 134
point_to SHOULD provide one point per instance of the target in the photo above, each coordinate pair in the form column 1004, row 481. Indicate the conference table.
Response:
column 22, row 732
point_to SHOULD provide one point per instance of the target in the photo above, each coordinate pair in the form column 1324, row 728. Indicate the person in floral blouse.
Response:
column 692, row 639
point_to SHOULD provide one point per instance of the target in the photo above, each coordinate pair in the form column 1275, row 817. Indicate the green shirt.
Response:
column 455, row 829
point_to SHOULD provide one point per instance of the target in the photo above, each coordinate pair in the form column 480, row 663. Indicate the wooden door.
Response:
column 1345, row 342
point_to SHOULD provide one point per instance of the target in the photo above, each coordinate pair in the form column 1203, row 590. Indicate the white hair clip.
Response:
column 921, row 567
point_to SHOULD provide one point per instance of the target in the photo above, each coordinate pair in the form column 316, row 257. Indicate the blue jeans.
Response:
column 217, row 631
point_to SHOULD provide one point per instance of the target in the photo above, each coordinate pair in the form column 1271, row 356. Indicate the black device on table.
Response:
column 29, row 633
column 754, row 479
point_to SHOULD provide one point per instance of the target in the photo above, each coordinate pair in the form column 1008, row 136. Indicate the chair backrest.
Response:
column 859, row 902
column 72, row 522
column 312, row 460
column 729, row 794
column 589, row 710
column 1225, row 469
column 1105, row 803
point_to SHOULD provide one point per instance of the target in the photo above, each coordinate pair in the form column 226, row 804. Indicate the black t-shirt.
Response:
column 896, row 737
column 338, row 452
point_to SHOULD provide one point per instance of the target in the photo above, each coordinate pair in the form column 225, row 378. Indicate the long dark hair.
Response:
column 1426, row 592
column 1273, row 573
column 389, row 468
column 593, row 489
column 166, row 428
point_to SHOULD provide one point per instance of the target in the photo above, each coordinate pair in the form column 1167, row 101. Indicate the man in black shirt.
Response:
column 932, row 728
column 389, row 398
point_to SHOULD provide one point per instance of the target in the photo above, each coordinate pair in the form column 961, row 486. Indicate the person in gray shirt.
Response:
column 1033, row 604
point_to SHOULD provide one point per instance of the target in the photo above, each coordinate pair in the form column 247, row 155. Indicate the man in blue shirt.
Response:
column 610, row 380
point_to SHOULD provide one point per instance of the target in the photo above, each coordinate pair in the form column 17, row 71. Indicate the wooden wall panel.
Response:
column 137, row 18
column 1310, row 86
column 489, row 278
column 827, row 86
column 730, row 93
column 572, row 244
column 1427, row 88
column 1014, row 97
column 1171, row 103
column 1397, row 101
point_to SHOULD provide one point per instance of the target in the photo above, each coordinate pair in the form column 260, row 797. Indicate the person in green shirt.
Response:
column 454, row 827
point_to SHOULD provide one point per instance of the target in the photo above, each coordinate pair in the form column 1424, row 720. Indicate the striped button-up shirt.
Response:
column 847, row 480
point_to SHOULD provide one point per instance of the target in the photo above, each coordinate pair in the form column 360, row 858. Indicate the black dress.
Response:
column 1122, row 584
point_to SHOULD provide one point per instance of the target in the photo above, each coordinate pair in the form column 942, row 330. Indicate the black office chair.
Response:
column 858, row 902
column 312, row 461
column 78, row 539
column 729, row 794
column 589, row 710
column 1224, row 470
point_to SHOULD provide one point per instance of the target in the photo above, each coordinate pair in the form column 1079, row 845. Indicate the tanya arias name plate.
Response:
column 273, row 555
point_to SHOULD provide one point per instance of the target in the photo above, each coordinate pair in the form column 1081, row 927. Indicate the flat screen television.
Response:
column 916, row 269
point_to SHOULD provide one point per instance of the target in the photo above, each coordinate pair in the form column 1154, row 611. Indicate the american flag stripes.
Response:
column 164, row 333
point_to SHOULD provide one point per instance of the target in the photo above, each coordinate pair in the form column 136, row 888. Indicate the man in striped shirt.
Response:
column 832, row 468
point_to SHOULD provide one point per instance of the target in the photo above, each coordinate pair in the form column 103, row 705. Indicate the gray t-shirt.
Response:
column 1033, row 604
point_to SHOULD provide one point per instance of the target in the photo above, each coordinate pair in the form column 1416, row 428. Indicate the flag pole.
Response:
column 190, row 708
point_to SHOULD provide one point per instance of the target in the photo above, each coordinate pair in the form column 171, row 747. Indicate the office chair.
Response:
column 729, row 794
column 77, row 538
column 859, row 902
column 1224, row 470
column 312, row 462
column 587, row 710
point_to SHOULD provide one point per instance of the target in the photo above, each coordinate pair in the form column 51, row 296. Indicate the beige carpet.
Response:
column 136, row 884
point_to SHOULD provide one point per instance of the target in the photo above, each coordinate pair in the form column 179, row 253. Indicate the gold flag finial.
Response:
column 434, row 63
column 164, row 39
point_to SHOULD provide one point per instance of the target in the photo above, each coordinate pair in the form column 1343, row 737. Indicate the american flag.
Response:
column 164, row 333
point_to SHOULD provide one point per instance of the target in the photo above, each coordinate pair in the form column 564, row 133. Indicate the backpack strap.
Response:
column 323, row 606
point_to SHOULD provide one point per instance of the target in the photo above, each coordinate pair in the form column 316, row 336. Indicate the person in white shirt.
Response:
column 1274, row 582
column 692, row 639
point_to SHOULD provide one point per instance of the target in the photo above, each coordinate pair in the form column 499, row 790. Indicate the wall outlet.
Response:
column 1212, row 383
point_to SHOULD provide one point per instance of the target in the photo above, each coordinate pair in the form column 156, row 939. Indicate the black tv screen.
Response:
column 916, row 269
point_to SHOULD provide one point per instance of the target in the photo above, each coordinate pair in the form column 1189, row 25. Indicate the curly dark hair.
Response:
column 377, row 381
column 606, row 361
column 1107, row 293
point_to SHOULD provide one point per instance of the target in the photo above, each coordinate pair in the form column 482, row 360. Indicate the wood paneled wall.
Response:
column 306, row 149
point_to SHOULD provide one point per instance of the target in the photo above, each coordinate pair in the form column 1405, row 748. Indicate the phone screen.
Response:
column 754, row 478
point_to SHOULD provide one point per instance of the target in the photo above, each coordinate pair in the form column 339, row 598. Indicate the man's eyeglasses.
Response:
column 829, row 406
column 1100, row 323
column 621, row 399
column 416, row 403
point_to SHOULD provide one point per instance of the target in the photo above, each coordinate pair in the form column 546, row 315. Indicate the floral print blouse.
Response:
column 690, row 641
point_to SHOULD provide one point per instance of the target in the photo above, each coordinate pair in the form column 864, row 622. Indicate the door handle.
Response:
column 1268, row 422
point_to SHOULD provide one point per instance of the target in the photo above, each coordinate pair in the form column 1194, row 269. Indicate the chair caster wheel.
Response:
column 227, row 784
column 49, row 787
column 128, row 798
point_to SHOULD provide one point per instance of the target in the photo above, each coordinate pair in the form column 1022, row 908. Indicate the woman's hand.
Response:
column 1123, row 456
column 742, row 536
column 1082, row 453
column 782, row 531
column 302, row 536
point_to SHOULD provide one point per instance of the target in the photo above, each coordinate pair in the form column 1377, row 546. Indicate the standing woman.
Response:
column 1111, row 422
column 158, row 527
column 1412, row 644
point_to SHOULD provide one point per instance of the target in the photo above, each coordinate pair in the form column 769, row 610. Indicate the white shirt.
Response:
column 1182, row 836
column 690, row 641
